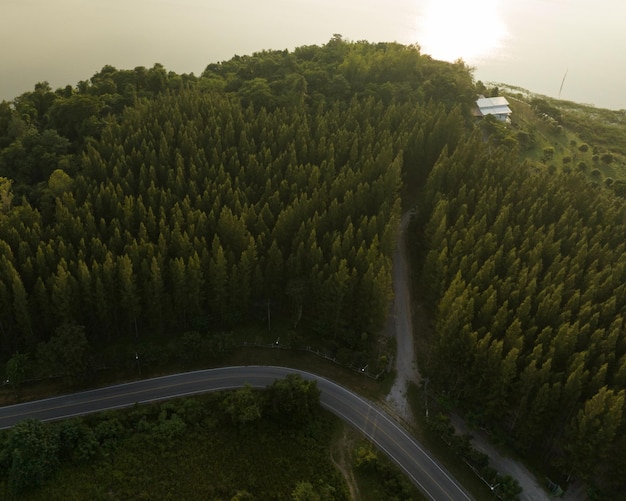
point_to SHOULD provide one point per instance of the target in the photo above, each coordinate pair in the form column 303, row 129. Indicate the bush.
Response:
column 32, row 453
column 548, row 154
column 293, row 400
column 108, row 432
column 477, row 459
column 489, row 474
column 461, row 445
column 619, row 188
column 192, row 346
column 168, row 428
column 77, row 441
column 508, row 488
column 607, row 158
column 440, row 424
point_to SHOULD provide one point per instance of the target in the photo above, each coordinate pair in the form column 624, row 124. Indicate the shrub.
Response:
column 33, row 454
column 108, row 432
column 607, row 158
column 77, row 441
column 440, row 424
column 548, row 154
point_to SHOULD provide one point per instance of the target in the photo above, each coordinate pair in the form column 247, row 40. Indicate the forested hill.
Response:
column 142, row 202
column 528, row 269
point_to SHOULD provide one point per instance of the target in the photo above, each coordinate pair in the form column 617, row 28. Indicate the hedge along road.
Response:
column 379, row 427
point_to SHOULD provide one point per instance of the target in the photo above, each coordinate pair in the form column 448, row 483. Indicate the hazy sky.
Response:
column 530, row 43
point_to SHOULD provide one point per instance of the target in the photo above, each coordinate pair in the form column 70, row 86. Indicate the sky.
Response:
column 530, row 43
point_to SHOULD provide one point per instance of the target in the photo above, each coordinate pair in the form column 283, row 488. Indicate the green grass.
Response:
column 579, row 124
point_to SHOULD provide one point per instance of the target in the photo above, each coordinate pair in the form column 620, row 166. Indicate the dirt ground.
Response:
column 340, row 457
column 399, row 325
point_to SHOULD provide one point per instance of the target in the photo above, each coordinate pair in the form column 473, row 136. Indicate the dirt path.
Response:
column 340, row 457
column 505, row 465
column 399, row 325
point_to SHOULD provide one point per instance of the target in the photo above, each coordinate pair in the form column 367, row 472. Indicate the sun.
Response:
column 453, row 29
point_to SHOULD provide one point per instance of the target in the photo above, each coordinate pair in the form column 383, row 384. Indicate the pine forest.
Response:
column 142, row 203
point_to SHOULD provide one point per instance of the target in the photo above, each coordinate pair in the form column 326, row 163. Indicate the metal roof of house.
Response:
column 493, row 106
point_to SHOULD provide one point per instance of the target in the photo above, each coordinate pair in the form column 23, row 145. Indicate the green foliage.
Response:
column 32, row 455
column 508, row 488
column 77, row 441
column 243, row 406
column 548, row 154
column 544, row 107
column 17, row 369
column 59, row 182
column 190, row 455
column 158, row 201
column 441, row 426
column 390, row 484
column 108, row 432
column 293, row 400
column 527, row 273
column 592, row 432
column 67, row 353
column 6, row 196
column 607, row 158
column 305, row 491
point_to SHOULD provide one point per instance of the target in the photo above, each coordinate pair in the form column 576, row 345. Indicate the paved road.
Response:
column 379, row 427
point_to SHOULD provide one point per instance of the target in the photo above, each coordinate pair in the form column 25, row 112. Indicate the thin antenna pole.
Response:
column 562, row 82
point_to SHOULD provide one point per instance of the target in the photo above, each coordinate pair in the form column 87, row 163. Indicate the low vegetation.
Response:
column 210, row 447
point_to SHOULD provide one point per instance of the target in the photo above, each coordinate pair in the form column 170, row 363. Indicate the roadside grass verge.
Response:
column 444, row 454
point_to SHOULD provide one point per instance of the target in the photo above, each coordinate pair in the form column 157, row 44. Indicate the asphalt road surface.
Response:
column 378, row 426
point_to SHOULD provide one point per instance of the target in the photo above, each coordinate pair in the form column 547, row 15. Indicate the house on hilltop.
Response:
column 496, row 106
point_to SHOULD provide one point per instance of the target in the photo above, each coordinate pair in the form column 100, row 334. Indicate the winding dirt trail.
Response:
column 400, row 326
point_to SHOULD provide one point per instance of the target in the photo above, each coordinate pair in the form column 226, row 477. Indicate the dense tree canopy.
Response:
column 528, row 271
column 144, row 201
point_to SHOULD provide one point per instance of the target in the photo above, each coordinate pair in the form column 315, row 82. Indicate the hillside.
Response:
column 145, row 213
column 523, row 257
column 143, row 202
column 568, row 136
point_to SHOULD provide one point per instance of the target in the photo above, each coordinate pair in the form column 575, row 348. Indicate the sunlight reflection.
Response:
column 452, row 29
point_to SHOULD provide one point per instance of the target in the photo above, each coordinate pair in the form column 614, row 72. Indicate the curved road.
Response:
column 378, row 426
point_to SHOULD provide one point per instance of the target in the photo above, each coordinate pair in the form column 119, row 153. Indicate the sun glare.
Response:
column 453, row 29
